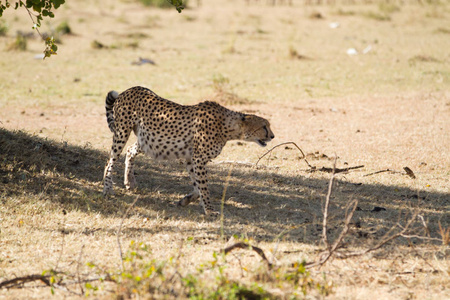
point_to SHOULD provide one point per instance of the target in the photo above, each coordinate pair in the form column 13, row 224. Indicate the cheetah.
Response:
column 167, row 130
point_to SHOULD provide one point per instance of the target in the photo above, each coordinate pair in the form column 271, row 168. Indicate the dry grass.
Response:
column 386, row 109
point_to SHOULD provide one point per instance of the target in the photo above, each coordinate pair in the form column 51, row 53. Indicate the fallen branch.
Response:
column 7, row 284
column 408, row 172
column 336, row 170
column 46, row 279
column 243, row 245
column 19, row 282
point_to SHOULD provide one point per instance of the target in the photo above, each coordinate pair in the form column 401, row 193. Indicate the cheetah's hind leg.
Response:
column 130, row 179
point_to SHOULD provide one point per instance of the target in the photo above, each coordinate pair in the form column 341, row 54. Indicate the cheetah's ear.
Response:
column 246, row 117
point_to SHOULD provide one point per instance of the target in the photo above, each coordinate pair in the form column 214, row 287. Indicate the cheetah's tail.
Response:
column 109, row 104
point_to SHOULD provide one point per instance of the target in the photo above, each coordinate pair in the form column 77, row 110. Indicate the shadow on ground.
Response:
column 262, row 202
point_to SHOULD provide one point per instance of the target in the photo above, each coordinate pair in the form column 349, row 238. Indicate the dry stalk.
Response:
column 424, row 225
column 327, row 205
column 445, row 234
column 326, row 255
column 78, row 270
column 120, row 229
column 63, row 241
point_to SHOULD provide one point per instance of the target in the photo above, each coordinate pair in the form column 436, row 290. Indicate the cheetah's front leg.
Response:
column 201, row 182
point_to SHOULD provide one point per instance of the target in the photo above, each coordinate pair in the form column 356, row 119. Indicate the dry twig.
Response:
column 282, row 144
column 243, row 245
column 311, row 168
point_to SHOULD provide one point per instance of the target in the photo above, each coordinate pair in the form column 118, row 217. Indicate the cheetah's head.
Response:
column 256, row 129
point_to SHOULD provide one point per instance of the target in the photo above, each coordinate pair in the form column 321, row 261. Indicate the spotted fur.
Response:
column 167, row 130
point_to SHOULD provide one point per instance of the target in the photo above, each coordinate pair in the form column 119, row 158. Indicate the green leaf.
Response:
column 37, row 8
column 58, row 3
column 178, row 4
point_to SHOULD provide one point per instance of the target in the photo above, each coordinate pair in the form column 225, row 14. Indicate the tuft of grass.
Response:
column 132, row 45
column 261, row 31
column 435, row 13
column 97, row 45
column 293, row 54
column 422, row 58
column 442, row 30
column 137, row 35
column 64, row 28
column 223, row 92
column 377, row 16
column 315, row 15
column 388, row 8
column 342, row 12
column 189, row 18
column 152, row 21
column 3, row 28
column 19, row 44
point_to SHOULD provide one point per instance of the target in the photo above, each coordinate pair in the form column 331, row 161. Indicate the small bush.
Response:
column 3, row 28
column 64, row 28
column 20, row 44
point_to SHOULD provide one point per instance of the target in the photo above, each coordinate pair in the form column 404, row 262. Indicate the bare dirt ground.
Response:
column 386, row 107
